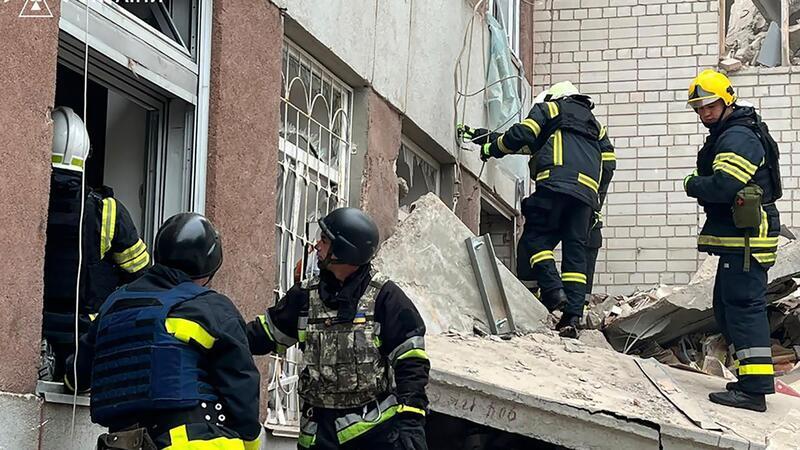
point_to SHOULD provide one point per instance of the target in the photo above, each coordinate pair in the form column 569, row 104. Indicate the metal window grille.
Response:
column 313, row 178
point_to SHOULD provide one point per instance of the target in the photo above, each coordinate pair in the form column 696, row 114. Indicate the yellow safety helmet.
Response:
column 708, row 87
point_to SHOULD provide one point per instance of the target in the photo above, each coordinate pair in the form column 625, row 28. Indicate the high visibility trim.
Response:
column 717, row 241
column 542, row 256
column 406, row 347
column 754, row 352
column 179, row 440
column 188, row 330
column 406, row 408
column 533, row 126
column 732, row 170
column 502, row 145
column 609, row 156
column 59, row 159
column 602, row 133
column 543, row 175
column 306, row 441
column 415, row 353
column 588, row 181
column 135, row 263
column 765, row 258
column 763, row 228
column 274, row 333
column 738, row 160
column 354, row 425
column 573, row 277
column 558, row 149
column 756, row 369
column 107, row 225
column 553, row 109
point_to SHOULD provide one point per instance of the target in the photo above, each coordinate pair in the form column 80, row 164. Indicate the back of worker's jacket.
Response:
column 566, row 144
column 170, row 356
column 112, row 255
column 732, row 157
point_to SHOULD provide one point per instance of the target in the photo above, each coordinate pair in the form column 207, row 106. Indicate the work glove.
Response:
column 689, row 177
column 478, row 136
column 486, row 152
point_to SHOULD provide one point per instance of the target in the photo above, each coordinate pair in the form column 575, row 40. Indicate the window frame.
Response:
column 512, row 15
column 408, row 144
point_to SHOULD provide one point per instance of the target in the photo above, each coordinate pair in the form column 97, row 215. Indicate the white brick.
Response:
column 652, row 74
column 620, row 269
column 710, row 17
column 649, row 21
column 652, row 197
column 622, row 75
column 652, row 85
column 684, row 8
column 675, row 19
column 655, row 41
column 594, row 24
column 624, row 11
column 681, row 266
column 675, row 29
column 567, row 4
column 655, row 30
column 654, row 220
column 652, row 119
column 609, row 12
column 622, row 22
column 623, row 33
column 639, row 10
column 653, row 9
column 651, row 266
column 595, row 13
column 667, row 9
column 678, row 40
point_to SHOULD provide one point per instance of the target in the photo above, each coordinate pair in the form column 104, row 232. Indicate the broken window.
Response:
column 760, row 33
column 500, row 224
column 507, row 13
column 313, row 177
column 175, row 19
column 417, row 172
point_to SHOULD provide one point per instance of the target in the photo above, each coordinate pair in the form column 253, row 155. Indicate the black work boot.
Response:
column 554, row 299
column 740, row 399
column 732, row 386
column 568, row 326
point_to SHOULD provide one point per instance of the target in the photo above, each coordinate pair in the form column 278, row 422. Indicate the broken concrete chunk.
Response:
column 427, row 258
column 730, row 64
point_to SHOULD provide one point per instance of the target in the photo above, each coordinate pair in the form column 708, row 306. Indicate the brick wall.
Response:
column 636, row 58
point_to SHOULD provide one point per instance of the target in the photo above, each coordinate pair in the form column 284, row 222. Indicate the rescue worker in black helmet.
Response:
column 568, row 149
column 167, row 358
column 737, row 182
column 113, row 254
column 365, row 366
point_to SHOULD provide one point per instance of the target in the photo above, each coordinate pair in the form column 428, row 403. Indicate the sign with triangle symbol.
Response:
column 36, row 8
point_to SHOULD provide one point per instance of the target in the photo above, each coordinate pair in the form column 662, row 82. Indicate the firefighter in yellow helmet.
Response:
column 737, row 182
column 113, row 254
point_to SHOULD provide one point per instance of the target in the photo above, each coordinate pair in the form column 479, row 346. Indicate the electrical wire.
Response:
column 80, row 227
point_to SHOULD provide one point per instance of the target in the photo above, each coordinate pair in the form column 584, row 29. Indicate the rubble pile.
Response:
column 675, row 324
column 748, row 27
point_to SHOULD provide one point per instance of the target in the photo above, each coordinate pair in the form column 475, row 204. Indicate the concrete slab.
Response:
column 428, row 259
column 20, row 416
column 538, row 385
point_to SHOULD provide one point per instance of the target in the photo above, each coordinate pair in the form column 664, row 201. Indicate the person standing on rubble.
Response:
column 737, row 182
column 365, row 366
column 113, row 253
column 167, row 358
column 568, row 147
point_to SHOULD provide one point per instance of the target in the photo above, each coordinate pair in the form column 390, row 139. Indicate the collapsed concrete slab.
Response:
column 427, row 257
column 573, row 395
column 688, row 309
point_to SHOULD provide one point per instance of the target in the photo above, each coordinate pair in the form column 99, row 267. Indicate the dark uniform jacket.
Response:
column 732, row 157
column 398, row 318
column 568, row 148
column 228, row 362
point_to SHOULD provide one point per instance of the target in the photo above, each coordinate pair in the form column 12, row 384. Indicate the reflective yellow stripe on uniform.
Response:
column 533, row 126
column 542, row 256
column 179, row 440
column 573, row 277
column 502, row 146
column 134, row 259
column 602, row 134
column 738, row 161
column 108, row 225
column 413, row 347
column 732, row 170
column 737, row 241
column 756, row 369
column 552, row 107
column 543, row 175
column 587, row 181
column 187, row 330
column 765, row 258
column 406, row 408
column 609, row 156
column 558, row 149
column 763, row 228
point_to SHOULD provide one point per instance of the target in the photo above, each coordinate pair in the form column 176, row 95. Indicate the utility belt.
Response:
column 131, row 439
column 350, row 423
column 159, row 423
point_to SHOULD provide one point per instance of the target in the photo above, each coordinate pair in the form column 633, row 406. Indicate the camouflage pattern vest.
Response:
column 343, row 367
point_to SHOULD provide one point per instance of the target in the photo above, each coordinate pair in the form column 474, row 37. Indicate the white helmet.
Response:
column 70, row 139
column 562, row 89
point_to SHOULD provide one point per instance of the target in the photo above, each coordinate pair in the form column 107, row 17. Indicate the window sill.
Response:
column 53, row 392
column 287, row 431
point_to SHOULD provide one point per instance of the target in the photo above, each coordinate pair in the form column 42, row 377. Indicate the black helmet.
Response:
column 188, row 242
column 354, row 236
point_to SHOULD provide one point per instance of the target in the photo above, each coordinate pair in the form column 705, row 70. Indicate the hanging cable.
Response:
column 80, row 226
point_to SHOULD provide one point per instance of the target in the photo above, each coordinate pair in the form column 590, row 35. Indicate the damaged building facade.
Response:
column 265, row 116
